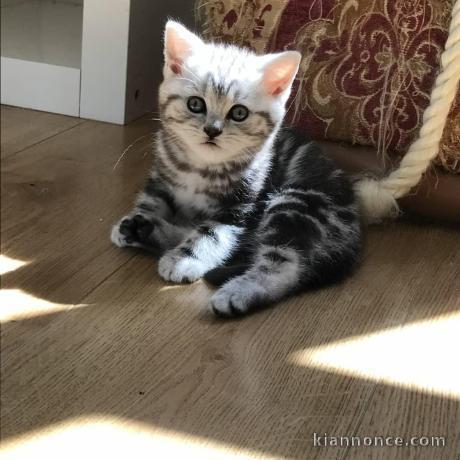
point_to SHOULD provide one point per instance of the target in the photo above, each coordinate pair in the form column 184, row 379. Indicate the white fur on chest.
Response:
column 190, row 201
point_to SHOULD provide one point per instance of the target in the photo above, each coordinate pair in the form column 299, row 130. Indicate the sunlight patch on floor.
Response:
column 420, row 356
column 16, row 304
column 170, row 288
column 8, row 264
column 173, row 287
column 116, row 438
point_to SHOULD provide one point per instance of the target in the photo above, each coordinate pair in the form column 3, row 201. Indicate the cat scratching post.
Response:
column 378, row 197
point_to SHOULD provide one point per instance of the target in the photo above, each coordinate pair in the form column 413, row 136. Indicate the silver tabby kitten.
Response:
column 233, row 196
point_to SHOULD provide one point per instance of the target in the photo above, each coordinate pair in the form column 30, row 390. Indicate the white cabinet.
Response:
column 41, row 54
column 97, row 59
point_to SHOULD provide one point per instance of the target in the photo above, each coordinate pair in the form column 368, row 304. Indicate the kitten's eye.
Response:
column 196, row 104
column 238, row 113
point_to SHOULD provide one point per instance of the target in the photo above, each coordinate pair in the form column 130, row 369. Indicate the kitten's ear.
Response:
column 179, row 44
column 279, row 71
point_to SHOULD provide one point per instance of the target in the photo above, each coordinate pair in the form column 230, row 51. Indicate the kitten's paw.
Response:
column 237, row 298
column 176, row 267
column 132, row 231
column 122, row 234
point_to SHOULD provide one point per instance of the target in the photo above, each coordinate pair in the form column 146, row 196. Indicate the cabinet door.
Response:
column 97, row 59
column 41, row 54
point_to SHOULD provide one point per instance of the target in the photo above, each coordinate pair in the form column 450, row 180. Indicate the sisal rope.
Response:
column 378, row 197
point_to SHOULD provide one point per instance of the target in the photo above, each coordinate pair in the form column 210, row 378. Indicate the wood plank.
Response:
column 22, row 128
column 145, row 352
column 61, row 198
column 429, row 268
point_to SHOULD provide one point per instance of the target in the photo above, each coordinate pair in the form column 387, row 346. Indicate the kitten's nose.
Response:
column 213, row 130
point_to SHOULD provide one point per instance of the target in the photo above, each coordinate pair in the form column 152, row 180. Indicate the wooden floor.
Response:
column 92, row 337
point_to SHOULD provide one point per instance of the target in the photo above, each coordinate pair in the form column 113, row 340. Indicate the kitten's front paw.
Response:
column 237, row 297
column 176, row 267
column 123, row 235
column 132, row 231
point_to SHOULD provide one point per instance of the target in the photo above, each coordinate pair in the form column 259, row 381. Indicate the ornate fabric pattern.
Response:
column 241, row 22
column 449, row 155
column 367, row 69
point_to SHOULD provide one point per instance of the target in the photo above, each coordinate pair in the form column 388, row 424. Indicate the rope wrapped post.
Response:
column 378, row 197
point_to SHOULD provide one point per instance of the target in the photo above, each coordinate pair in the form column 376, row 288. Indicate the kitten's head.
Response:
column 222, row 102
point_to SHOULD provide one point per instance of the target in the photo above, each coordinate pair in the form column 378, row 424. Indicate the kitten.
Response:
column 233, row 196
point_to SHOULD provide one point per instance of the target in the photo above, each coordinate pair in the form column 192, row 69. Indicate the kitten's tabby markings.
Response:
column 233, row 196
